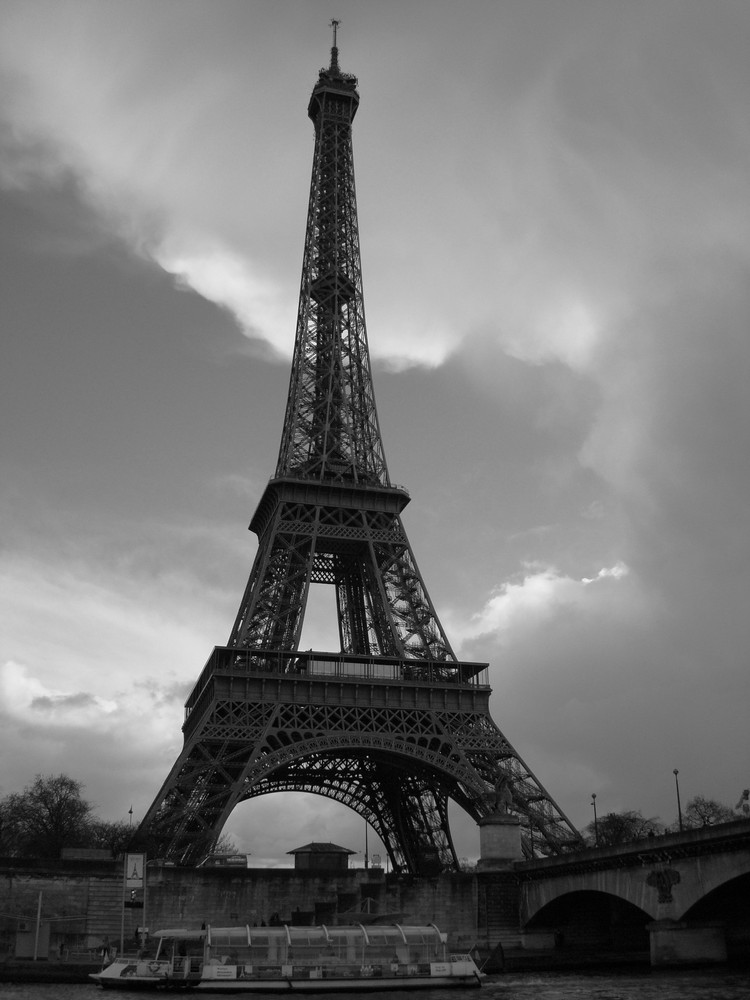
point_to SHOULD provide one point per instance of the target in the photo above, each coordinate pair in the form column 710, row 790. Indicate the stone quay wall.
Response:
column 82, row 902
column 254, row 896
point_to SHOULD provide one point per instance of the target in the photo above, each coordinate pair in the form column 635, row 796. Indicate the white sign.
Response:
column 134, row 864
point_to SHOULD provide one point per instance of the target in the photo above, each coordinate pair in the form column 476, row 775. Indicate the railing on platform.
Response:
column 312, row 664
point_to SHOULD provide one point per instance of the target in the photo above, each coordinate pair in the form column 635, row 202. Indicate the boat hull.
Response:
column 438, row 975
column 116, row 978
column 137, row 975
column 340, row 985
column 298, row 986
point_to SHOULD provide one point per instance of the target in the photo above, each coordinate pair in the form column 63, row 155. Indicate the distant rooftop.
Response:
column 320, row 848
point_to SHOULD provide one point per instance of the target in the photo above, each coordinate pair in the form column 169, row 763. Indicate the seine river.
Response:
column 698, row 985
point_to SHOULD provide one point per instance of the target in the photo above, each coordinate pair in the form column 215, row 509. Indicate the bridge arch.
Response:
column 713, row 885
column 696, row 878
column 592, row 919
column 615, row 883
column 726, row 905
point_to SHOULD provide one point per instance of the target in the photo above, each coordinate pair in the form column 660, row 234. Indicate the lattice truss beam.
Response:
column 383, row 605
column 331, row 428
column 397, row 768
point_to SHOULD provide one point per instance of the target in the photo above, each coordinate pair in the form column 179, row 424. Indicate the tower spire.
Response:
column 335, row 69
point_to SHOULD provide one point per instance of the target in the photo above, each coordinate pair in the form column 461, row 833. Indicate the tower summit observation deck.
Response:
column 391, row 724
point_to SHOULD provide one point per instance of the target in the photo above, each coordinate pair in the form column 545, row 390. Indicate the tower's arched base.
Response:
column 393, row 749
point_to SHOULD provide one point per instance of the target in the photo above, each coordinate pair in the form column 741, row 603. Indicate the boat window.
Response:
column 228, row 936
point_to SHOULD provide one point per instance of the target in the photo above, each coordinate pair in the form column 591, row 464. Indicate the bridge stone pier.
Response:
column 684, row 896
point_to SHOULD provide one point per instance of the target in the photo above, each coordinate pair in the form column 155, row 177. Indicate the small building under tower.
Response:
column 321, row 857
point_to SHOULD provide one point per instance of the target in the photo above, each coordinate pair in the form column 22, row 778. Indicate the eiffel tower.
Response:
column 393, row 725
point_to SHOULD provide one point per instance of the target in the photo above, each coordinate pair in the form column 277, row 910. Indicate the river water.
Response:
column 646, row 985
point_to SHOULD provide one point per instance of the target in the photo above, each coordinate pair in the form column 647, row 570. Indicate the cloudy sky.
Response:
column 554, row 209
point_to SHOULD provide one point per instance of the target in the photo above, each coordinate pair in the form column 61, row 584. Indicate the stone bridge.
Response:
column 683, row 895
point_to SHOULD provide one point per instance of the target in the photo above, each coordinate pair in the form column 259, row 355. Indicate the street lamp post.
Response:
column 596, row 822
column 679, row 806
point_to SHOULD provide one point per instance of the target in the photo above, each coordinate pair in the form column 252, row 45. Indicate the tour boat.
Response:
column 176, row 962
column 355, row 959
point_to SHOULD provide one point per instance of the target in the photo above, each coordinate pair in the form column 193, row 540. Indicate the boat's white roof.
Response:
column 239, row 933
column 180, row 932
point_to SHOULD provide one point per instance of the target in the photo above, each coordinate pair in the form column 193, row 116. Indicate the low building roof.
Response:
column 320, row 848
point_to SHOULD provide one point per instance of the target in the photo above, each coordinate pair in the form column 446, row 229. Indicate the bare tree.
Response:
column 45, row 817
column 225, row 845
column 621, row 828
column 113, row 836
column 701, row 811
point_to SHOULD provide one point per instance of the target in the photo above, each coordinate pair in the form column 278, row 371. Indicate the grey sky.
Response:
column 554, row 213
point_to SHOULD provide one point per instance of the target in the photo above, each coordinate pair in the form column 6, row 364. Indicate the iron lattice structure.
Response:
column 392, row 725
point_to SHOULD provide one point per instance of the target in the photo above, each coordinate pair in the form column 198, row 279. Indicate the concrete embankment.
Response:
column 20, row 970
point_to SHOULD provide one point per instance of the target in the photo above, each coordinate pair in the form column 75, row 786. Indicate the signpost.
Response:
column 133, row 879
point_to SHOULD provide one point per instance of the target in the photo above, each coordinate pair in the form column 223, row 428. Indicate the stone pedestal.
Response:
column 499, row 842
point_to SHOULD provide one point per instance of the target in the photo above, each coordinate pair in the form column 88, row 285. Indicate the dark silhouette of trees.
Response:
column 48, row 815
column 625, row 827
column 701, row 811
column 51, row 813
column 6, row 831
column 621, row 828
column 114, row 836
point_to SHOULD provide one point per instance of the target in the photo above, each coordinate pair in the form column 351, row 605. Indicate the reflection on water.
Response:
column 646, row 985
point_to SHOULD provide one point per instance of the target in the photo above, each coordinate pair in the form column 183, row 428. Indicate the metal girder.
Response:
column 383, row 604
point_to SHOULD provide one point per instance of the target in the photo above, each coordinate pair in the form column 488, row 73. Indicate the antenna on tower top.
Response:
column 334, row 49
